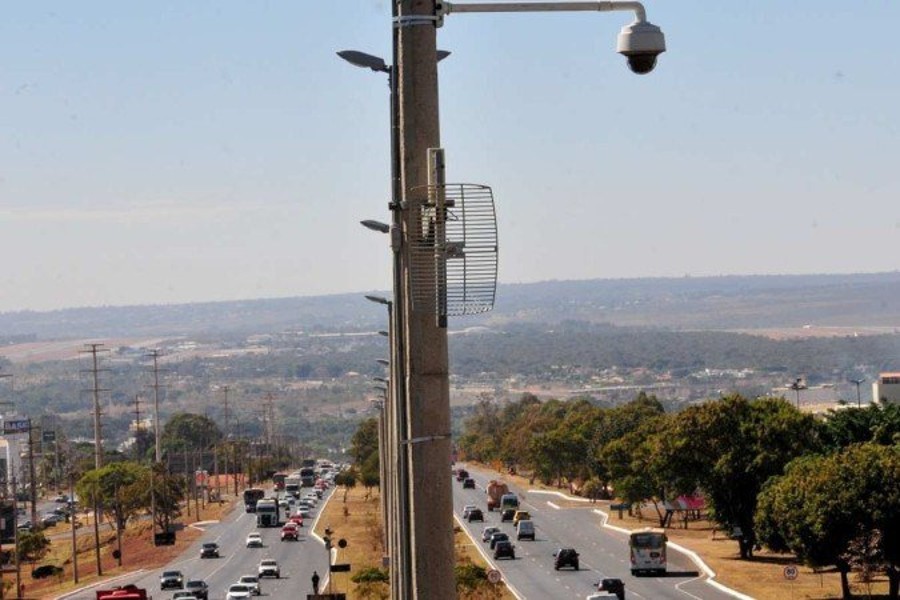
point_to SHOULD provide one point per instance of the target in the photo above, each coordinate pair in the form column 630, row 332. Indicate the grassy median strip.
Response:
column 355, row 516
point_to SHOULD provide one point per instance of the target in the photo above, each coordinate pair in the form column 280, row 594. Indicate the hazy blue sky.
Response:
column 171, row 151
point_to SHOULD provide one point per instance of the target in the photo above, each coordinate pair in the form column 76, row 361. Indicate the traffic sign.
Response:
column 48, row 436
column 791, row 572
column 340, row 568
column 493, row 576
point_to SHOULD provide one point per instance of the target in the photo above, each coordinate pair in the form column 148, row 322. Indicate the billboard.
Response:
column 12, row 426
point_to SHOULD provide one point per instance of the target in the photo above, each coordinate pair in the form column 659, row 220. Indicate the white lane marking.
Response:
column 678, row 587
column 551, row 505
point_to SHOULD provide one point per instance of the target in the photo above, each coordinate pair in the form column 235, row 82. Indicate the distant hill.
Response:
column 701, row 303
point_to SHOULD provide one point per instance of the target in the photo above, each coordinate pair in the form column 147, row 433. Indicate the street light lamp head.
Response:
column 376, row 226
column 378, row 299
column 641, row 42
column 366, row 61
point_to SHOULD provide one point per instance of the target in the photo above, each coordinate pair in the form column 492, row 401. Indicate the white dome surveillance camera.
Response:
column 641, row 42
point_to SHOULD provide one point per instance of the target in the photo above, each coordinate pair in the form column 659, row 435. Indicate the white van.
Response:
column 525, row 529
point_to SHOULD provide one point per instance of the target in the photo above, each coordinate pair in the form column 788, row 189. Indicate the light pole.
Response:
column 423, row 431
column 857, row 383
column 797, row 385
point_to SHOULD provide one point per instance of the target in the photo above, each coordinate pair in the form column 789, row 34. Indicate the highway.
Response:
column 604, row 552
column 297, row 560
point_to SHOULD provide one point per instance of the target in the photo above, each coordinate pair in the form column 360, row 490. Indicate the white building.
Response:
column 886, row 388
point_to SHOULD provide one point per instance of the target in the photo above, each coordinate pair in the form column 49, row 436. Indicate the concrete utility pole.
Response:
column 426, row 441
column 94, row 350
column 155, row 356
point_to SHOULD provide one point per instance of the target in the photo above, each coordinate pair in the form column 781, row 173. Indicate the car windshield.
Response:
column 249, row 579
column 238, row 587
column 171, row 573
column 196, row 583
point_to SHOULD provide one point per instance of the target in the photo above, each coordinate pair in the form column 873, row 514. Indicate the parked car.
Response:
column 238, row 591
column 525, row 530
column 504, row 549
column 209, row 550
column 46, row 571
column 254, row 540
column 50, row 519
column 198, row 588
column 251, row 581
column 468, row 483
column 565, row 557
column 476, row 515
column 268, row 567
column 171, row 579
column 498, row 536
column 487, row 532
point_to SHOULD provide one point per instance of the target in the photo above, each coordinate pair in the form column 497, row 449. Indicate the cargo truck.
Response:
column 495, row 491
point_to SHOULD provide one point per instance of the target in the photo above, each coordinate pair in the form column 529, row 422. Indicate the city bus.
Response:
column 251, row 497
column 648, row 551
column 278, row 480
column 307, row 477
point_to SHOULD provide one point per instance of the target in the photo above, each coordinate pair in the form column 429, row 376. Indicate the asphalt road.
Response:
column 604, row 552
column 297, row 560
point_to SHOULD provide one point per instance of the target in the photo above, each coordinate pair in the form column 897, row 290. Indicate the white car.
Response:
column 467, row 508
column 254, row 540
column 252, row 582
column 305, row 513
column 238, row 591
column 268, row 567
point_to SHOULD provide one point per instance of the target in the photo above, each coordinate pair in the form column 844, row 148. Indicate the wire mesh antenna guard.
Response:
column 453, row 259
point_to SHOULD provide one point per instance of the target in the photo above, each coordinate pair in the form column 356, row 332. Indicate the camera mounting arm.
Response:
column 446, row 8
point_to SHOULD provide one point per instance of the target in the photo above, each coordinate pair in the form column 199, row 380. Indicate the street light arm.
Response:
column 446, row 8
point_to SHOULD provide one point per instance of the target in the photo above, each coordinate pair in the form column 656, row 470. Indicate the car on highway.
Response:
column 462, row 475
column 251, row 581
column 171, row 579
column 468, row 483
column 565, row 557
column 507, row 515
column 504, row 549
column 475, row 515
column 303, row 513
column 209, row 550
column 613, row 586
column 467, row 509
column 198, row 588
column 61, row 498
column 297, row 520
column 525, row 530
column 289, row 533
column 183, row 595
column 521, row 515
column 254, row 540
column 238, row 591
column 487, row 532
column 268, row 567
column 498, row 536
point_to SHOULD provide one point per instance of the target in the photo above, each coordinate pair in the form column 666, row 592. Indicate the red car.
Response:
column 297, row 519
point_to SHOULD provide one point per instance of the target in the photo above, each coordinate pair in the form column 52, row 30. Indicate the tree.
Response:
column 116, row 487
column 186, row 430
column 729, row 448
column 33, row 546
column 823, row 506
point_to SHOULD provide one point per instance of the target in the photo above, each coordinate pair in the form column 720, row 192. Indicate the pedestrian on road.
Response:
column 315, row 582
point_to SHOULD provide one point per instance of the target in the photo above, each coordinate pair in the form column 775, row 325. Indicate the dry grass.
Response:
column 761, row 578
column 138, row 551
column 360, row 524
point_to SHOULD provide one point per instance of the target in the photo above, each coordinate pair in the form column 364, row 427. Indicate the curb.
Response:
column 486, row 558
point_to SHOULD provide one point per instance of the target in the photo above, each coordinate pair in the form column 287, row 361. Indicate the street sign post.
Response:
column 791, row 572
